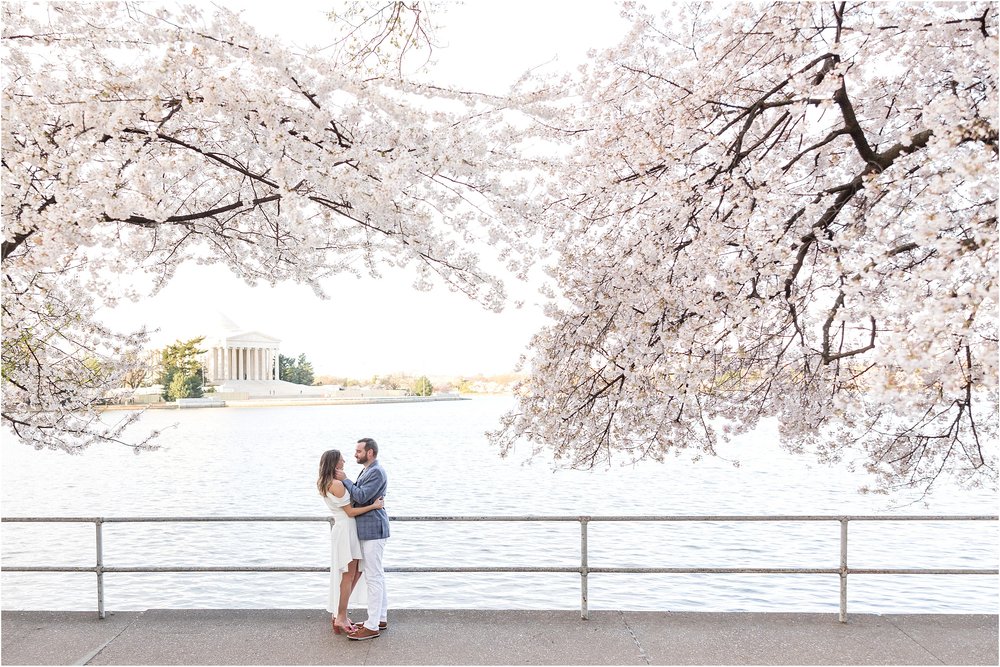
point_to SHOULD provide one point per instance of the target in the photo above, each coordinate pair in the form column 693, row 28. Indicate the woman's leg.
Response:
column 346, row 586
column 357, row 575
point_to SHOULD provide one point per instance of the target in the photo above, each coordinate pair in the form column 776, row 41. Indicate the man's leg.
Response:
column 377, row 599
column 384, row 617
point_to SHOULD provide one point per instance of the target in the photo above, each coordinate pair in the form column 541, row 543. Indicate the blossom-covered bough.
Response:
column 783, row 211
column 137, row 138
column 752, row 211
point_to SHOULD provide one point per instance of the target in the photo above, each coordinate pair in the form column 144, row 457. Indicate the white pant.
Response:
column 378, row 599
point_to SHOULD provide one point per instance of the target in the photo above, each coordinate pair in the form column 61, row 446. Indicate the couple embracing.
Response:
column 360, row 530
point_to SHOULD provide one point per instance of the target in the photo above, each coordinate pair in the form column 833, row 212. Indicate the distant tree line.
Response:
column 417, row 386
column 181, row 374
column 466, row 384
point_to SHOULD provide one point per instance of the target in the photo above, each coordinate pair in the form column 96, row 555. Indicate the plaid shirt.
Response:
column 371, row 485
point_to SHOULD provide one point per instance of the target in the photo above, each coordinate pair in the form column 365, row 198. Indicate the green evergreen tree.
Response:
column 304, row 371
column 285, row 366
column 181, row 359
column 422, row 386
column 184, row 386
column 299, row 371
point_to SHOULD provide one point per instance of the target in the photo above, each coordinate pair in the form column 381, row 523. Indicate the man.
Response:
column 373, row 531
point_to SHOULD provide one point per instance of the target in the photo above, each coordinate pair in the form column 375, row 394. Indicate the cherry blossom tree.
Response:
column 136, row 138
column 783, row 211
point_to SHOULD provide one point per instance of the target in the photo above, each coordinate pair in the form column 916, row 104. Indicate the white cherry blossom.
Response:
column 775, row 211
column 137, row 138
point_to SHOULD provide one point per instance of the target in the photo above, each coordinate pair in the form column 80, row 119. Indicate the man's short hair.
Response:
column 370, row 445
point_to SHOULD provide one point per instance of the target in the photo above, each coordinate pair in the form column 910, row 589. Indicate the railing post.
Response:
column 583, row 567
column 98, row 525
column 843, row 570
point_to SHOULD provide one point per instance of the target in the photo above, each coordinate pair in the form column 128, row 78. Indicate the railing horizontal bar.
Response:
column 713, row 570
column 485, row 518
column 222, row 519
column 265, row 568
column 924, row 517
column 221, row 568
column 50, row 519
column 666, row 518
column 163, row 519
column 47, row 568
column 209, row 568
column 526, row 569
column 791, row 517
column 705, row 518
column 778, row 570
column 922, row 571
column 575, row 570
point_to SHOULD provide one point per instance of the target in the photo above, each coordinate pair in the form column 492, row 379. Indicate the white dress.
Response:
column 344, row 546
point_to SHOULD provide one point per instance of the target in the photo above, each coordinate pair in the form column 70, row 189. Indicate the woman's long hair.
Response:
column 327, row 470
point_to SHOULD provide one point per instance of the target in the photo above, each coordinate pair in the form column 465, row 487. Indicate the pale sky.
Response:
column 385, row 326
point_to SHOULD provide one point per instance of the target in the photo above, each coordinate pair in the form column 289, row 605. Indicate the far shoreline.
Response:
column 285, row 402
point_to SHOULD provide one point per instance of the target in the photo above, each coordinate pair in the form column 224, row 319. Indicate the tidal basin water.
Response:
column 263, row 462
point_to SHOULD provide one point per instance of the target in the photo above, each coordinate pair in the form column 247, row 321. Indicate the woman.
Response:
column 345, row 549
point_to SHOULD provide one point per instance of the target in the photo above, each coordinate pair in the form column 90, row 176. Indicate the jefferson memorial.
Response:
column 236, row 354
column 243, row 363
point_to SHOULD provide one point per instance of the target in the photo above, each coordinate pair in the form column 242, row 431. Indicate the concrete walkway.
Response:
column 482, row 637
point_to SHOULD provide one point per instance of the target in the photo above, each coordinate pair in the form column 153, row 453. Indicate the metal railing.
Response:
column 584, row 569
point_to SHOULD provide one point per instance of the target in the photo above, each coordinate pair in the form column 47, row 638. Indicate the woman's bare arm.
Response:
column 358, row 511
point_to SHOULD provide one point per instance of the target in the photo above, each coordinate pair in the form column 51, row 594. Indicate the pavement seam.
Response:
column 368, row 647
column 914, row 640
column 93, row 654
column 638, row 644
